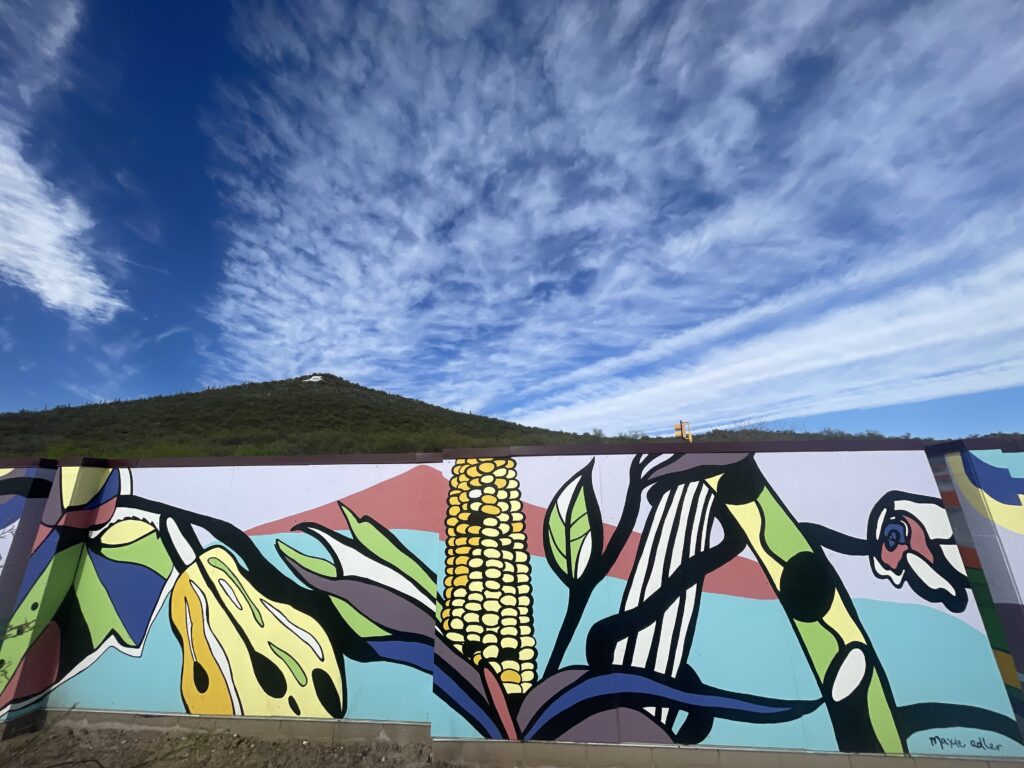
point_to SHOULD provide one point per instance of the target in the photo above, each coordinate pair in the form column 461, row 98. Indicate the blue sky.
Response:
column 574, row 215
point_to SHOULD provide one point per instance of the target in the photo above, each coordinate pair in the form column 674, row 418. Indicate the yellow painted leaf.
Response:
column 125, row 531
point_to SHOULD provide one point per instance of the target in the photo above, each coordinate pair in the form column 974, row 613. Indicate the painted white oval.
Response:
column 851, row 673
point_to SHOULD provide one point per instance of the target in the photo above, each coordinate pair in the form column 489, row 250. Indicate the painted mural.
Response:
column 984, row 493
column 254, row 625
column 23, row 492
column 20, row 488
column 804, row 601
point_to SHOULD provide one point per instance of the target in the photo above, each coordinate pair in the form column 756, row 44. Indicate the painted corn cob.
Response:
column 487, row 613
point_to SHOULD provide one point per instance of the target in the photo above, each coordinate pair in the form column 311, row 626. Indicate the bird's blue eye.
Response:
column 893, row 534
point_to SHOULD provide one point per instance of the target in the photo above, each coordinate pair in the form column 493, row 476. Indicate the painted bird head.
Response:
column 913, row 544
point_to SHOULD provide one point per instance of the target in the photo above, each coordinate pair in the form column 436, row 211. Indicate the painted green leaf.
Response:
column 358, row 622
column 316, row 565
column 99, row 613
column 40, row 605
column 573, row 531
column 148, row 551
column 381, row 545
column 69, row 575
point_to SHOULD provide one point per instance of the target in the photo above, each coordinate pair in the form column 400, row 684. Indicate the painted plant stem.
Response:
column 581, row 589
column 578, row 600
column 851, row 679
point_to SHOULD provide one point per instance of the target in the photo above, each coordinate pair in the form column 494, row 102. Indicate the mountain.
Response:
column 296, row 416
column 309, row 415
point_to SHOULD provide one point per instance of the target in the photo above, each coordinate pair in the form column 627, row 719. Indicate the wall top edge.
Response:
column 256, row 461
column 932, row 448
column 19, row 463
column 1010, row 445
column 766, row 446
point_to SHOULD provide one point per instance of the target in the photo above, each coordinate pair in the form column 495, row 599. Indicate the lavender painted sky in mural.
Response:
column 577, row 215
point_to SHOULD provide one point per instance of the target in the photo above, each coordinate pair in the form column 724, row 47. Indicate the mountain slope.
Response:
column 296, row 416
column 293, row 416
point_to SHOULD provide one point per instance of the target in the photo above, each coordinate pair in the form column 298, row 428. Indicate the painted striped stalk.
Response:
column 677, row 529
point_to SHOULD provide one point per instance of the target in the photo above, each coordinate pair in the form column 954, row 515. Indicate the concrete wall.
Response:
column 777, row 600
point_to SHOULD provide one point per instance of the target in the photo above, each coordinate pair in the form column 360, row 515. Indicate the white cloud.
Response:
column 623, row 215
column 859, row 355
column 173, row 331
column 46, row 246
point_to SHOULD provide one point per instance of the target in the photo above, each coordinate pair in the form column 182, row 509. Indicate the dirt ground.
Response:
column 57, row 747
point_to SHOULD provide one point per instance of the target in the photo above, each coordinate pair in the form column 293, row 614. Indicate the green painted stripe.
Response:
column 982, row 593
column 219, row 564
column 293, row 666
column 360, row 624
column 993, row 628
column 316, row 565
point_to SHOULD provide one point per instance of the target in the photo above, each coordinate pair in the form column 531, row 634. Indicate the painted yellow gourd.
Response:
column 244, row 654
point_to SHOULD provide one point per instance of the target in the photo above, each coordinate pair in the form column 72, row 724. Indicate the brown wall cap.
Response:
column 682, row 446
column 975, row 444
column 931, row 447
column 20, row 463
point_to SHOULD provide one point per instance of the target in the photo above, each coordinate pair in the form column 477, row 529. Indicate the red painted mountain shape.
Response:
column 417, row 500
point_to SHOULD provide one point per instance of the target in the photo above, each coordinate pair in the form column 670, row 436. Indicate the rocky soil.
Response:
column 58, row 747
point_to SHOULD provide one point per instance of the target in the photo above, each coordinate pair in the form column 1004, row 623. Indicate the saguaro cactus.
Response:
column 487, row 614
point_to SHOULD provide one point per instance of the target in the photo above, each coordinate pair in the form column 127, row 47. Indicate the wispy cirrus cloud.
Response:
column 6, row 338
column 616, row 215
column 172, row 331
column 45, row 247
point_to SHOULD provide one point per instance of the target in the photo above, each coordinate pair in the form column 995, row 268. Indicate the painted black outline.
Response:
column 913, row 718
column 386, row 532
column 584, row 708
column 26, row 487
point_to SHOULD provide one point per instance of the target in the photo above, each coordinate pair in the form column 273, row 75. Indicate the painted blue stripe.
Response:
column 620, row 683
column 997, row 482
column 418, row 655
column 465, row 705
column 37, row 564
column 11, row 510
